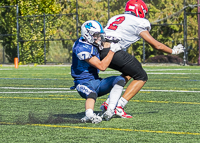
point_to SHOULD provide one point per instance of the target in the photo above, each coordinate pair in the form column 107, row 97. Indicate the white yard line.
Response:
column 38, row 92
column 34, row 88
column 184, row 91
column 68, row 90
column 171, row 69
column 147, row 73
column 171, row 73
column 116, row 72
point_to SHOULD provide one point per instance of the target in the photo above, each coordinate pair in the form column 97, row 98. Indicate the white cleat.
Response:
column 108, row 115
column 85, row 119
column 95, row 119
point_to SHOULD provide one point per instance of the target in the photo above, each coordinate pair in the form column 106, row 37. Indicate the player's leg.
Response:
column 133, row 88
column 135, row 70
column 128, row 65
column 86, row 91
column 118, row 110
column 114, row 85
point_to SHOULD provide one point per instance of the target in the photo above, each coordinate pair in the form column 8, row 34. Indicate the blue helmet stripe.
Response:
column 102, row 31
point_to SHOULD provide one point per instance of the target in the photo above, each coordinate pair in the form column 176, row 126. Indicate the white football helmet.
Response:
column 91, row 30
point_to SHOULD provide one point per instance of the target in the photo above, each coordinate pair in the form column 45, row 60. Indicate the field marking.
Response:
column 5, row 69
column 148, row 101
column 39, row 78
column 156, row 71
column 61, row 95
column 114, row 129
column 34, row 88
column 152, row 73
column 111, row 129
column 38, row 92
column 41, row 98
column 184, row 91
column 170, row 69
column 70, row 91
column 172, row 73
column 167, row 102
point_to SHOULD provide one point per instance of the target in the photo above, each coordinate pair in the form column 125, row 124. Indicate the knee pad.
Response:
column 121, row 82
column 92, row 95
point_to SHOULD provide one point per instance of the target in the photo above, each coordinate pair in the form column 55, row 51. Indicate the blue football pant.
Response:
column 99, row 86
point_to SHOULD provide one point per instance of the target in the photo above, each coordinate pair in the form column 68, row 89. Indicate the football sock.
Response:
column 115, row 94
column 107, row 101
column 122, row 102
column 89, row 113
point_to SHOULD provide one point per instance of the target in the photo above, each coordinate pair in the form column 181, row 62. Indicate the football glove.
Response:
column 115, row 47
column 178, row 49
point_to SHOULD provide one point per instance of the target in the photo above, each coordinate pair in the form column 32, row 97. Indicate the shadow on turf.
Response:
column 73, row 116
column 33, row 118
column 57, row 118
column 45, row 119
column 150, row 112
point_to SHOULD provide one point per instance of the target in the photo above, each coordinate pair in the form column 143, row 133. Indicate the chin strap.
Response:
column 96, row 44
column 99, row 46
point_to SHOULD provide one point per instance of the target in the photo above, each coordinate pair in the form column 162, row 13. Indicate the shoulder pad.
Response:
column 144, row 23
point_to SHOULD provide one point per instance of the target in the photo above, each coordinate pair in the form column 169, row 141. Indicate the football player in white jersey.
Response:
column 85, row 68
column 126, row 29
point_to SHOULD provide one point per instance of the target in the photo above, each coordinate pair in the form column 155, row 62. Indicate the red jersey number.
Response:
column 114, row 25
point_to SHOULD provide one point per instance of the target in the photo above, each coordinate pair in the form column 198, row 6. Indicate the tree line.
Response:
column 161, row 12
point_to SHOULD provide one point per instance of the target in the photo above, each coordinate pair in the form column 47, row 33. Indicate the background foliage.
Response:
column 64, row 26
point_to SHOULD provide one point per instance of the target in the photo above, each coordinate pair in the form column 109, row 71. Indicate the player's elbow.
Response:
column 158, row 46
column 102, row 68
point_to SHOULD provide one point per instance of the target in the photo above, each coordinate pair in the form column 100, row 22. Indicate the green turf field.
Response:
column 36, row 106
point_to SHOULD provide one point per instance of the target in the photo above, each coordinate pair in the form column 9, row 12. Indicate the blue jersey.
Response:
column 82, row 71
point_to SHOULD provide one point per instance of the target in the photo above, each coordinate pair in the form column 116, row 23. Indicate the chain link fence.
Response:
column 48, row 32
column 6, row 12
column 54, row 44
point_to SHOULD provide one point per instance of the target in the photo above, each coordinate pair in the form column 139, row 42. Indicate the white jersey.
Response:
column 126, row 28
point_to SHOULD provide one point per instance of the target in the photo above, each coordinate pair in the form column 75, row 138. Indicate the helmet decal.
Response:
column 132, row 7
column 89, row 25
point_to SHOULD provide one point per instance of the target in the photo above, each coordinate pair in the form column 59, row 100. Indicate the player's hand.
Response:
column 178, row 49
column 115, row 47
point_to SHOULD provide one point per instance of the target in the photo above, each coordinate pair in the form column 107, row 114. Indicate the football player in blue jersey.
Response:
column 85, row 68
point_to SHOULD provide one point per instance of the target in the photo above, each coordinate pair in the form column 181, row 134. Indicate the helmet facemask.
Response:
column 98, row 39
column 92, row 32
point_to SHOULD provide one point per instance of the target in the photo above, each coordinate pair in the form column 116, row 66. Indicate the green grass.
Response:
column 39, row 109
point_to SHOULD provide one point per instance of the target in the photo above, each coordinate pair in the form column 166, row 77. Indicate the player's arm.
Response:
column 159, row 46
column 101, row 65
column 154, row 43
